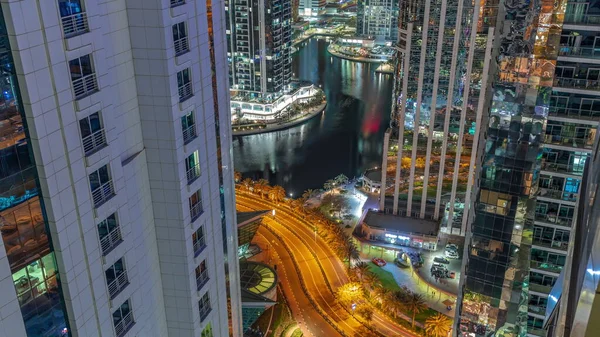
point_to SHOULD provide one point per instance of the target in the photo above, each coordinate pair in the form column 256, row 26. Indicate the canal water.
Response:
column 347, row 138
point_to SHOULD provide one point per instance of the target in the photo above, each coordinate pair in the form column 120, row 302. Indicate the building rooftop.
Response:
column 398, row 223
column 245, row 217
column 373, row 175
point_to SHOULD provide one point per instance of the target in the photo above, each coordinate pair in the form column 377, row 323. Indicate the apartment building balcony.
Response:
column 537, row 309
column 582, row 19
column 566, row 52
column 574, row 113
column 553, row 244
column 544, row 266
column 202, row 279
column 552, row 218
column 571, row 169
column 196, row 210
column 539, row 288
column 189, row 134
column 193, row 173
column 75, row 24
column 123, row 326
column 554, row 193
column 111, row 240
column 182, row 46
column 589, row 86
column 118, row 284
column 103, row 193
column 199, row 246
column 204, row 311
column 569, row 141
column 85, row 86
column 94, row 142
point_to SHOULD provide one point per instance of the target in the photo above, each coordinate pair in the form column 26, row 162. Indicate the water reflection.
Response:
column 347, row 138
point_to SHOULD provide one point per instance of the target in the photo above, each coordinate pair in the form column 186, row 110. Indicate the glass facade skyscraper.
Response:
column 23, row 224
column 377, row 19
column 496, row 282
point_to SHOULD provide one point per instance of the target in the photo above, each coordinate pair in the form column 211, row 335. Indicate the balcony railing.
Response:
column 202, row 279
column 539, row 288
column 118, row 284
column 574, row 113
column 181, row 46
column 582, row 19
column 199, row 246
column 549, row 267
column 579, row 51
column 175, row 3
column 185, row 92
column 557, row 194
column 124, row 324
column 561, row 245
column 111, row 240
column 193, row 173
column 85, row 86
column 536, row 331
column 94, row 142
column 196, row 210
column 537, row 309
column 103, row 193
column 568, row 141
column 550, row 218
column 204, row 311
column 189, row 134
column 576, row 83
column 75, row 24
column 563, row 168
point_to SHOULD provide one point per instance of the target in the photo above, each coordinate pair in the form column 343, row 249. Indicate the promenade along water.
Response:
column 347, row 138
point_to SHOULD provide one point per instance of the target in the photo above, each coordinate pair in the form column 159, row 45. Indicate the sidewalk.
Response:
column 407, row 277
column 238, row 131
column 449, row 286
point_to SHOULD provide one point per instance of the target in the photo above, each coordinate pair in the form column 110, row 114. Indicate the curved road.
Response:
column 299, row 236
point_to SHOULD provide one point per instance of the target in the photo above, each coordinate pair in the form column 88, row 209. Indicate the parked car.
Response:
column 451, row 254
column 440, row 259
column 379, row 262
column 451, row 246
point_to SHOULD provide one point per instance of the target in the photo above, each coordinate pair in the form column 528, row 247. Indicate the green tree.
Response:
column 341, row 179
column 247, row 183
column 307, row 194
column 362, row 269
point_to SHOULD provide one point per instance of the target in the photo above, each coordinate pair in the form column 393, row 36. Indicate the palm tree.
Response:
column 307, row 194
column 237, row 176
column 415, row 304
column 278, row 193
column 371, row 280
column 438, row 325
column 382, row 294
column 260, row 186
column 329, row 184
column 247, row 183
column 341, row 179
column 362, row 268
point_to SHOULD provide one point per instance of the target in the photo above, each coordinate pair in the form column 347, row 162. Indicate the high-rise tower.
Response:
column 377, row 19
column 502, row 250
column 117, row 205
column 259, row 47
column 441, row 72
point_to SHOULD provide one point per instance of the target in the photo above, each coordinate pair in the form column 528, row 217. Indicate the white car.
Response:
column 451, row 254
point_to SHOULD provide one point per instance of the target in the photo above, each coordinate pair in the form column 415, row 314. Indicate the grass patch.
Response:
column 282, row 317
column 297, row 333
column 424, row 315
column 386, row 278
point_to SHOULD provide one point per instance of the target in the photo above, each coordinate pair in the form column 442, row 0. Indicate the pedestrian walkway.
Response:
column 409, row 278
column 270, row 127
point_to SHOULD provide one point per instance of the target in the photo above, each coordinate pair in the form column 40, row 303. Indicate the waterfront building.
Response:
column 117, row 205
column 310, row 8
column 259, row 48
column 377, row 19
